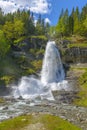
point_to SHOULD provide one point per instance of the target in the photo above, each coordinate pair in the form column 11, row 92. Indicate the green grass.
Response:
column 49, row 122
column 56, row 123
column 82, row 83
column 83, row 90
column 81, row 45
column 15, row 124
column 82, row 101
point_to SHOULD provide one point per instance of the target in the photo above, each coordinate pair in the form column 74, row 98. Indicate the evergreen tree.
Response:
column 61, row 14
column 2, row 19
column 76, row 21
column 71, row 22
column 40, row 26
column 84, row 13
column 66, row 22
column 62, row 27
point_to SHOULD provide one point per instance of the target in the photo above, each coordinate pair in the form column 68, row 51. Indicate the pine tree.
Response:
column 62, row 27
column 71, row 22
column 76, row 20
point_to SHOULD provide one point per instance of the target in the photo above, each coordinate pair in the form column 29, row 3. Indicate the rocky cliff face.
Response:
column 75, row 55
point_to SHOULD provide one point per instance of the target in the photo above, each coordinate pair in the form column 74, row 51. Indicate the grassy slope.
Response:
column 82, row 81
column 83, row 91
column 49, row 122
column 81, row 45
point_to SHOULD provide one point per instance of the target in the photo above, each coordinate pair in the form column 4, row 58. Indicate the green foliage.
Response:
column 37, row 64
column 83, row 79
column 4, row 46
column 18, row 29
column 41, row 37
column 41, row 51
column 13, row 31
column 2, row 19
column 20, row 25
column 63, row 24
column 81, row 45
column 30, row 71
column 49, row 122
column 75, row 23
column 52, row 31
column 82, row 84
column 7, row 79
column 76, row 16
column 20, row 40
column 8, row 30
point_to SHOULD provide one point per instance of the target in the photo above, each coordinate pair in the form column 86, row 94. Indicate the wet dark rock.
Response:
column 75, row 55
column 20, row 98
column 5, row 108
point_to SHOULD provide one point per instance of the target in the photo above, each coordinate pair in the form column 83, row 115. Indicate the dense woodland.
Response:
column 72, row 24
column 18, row 26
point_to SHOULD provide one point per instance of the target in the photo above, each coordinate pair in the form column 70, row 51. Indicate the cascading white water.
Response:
column 52, row 77
column 52, row 69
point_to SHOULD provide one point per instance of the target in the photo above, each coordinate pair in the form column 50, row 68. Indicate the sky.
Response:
column 49, row 9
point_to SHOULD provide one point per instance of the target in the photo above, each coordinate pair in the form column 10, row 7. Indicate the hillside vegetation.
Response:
column 22, row 44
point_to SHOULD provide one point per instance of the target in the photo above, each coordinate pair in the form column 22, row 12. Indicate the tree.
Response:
column 40, row 26
column 61, row 14
column 76, row 21
column 18, row 29
column 2, row 20
column 71, row 22
column 4, row 46
column 83, row 28
column 8, row 30
column 62, row 27
column 13, row 31
column 66, row 22
column 28, row 21
column 84, row 13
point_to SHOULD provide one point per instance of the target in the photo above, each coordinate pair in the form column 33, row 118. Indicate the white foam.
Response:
column 52, row 78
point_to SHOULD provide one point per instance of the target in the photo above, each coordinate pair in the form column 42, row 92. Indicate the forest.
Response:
column 18, row 26
column 72, row 24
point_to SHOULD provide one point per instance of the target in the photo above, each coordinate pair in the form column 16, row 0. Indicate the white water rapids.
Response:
column 52, row 78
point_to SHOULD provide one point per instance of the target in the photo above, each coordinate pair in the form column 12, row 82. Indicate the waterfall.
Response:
column 52, row 69
column 52, row 78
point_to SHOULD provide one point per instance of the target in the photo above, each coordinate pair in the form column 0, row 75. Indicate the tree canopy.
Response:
column 74, row 23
